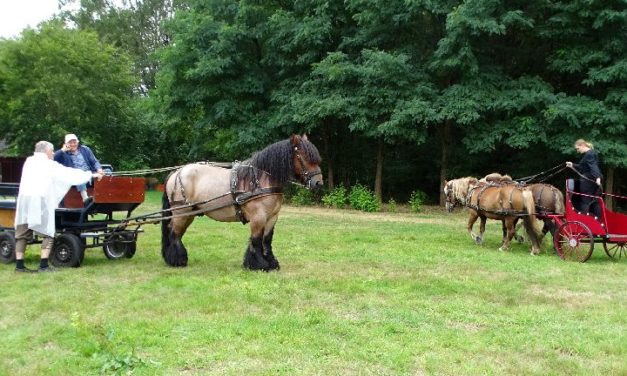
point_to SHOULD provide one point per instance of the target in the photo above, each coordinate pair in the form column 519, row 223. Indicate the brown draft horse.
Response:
column 249, row 192
column 548, row 200
column 504, row 202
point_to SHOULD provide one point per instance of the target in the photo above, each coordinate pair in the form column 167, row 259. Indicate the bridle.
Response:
column 451, row 201
column 306, row 176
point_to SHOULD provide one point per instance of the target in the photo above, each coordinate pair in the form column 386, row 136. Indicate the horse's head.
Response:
column 306, row 162
column 456, row 191
column 450, row 196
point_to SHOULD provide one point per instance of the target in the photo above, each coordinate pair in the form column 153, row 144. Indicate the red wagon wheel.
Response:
column 615, row 250
column 573, row 241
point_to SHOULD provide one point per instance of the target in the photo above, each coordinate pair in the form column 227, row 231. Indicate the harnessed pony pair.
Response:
column 498, row 197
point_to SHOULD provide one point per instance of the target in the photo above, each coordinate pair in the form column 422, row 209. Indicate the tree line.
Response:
column 398, row 94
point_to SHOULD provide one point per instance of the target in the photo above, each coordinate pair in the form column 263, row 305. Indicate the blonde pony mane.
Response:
column 461, row 186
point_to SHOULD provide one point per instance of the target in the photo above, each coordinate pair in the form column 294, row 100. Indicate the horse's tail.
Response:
column 559, row 201
column 172, row 249
column 529, row 218
column 165, row 226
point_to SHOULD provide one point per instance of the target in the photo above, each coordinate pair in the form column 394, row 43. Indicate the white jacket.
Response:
column 44, row 184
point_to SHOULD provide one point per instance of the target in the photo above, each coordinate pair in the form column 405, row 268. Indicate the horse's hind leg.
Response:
column 519, row 238
column 548, row 226
column 510, row 224
column 174, row 252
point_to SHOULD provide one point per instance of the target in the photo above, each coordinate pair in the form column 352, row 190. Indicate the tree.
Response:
column 55, row 81
column 137, row 27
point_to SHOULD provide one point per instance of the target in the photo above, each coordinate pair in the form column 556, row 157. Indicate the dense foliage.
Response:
column 397, row 94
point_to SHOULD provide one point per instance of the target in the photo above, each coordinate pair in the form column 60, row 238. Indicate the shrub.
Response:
column 362, row 198
column 416, row 200
column 302, row 197
column 337, row 198
column 392, row 206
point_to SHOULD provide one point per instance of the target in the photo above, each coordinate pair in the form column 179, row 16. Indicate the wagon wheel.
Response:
column 7, row 248
column 615, row 250
column 67, row 251
column 573, row 241
column 120, row 245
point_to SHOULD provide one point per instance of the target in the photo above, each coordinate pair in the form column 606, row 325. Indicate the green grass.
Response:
column 357, row 294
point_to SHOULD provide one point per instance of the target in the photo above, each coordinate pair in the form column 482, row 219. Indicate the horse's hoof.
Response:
column 520, row 239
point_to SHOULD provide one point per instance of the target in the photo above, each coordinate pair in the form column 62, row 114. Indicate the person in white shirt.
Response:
column 44, row 183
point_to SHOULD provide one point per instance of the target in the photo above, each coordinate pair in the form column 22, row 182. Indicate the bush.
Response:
column 392, row 208
column 416, row 200
column 302, row 197
column 362, row 198
column 337, row 198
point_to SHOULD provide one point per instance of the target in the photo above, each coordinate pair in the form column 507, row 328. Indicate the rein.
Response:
column 167, row 169
column 553, row 171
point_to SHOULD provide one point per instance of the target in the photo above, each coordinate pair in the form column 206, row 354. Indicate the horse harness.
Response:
column 483, row 188
column 538, row 202
column 242, row 196
column 239, row 196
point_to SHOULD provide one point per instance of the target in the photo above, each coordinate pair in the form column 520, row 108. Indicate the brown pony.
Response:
column 249, row 192
column 504, row 202
column 548, row 200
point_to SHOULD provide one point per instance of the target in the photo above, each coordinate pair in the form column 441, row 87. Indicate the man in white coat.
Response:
column 43, row 185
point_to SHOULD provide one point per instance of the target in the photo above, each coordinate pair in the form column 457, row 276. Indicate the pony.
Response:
column 548, row 200
column 504, row 202
column 250, row 191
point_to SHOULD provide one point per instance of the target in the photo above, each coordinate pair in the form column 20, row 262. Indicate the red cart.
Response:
column 576, row 232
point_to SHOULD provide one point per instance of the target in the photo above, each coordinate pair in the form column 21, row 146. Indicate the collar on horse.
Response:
column 252, row 191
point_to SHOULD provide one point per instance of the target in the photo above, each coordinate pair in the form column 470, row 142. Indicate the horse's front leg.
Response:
column 519, row 238
column 471, row 222
column 479, row 239
column 268, row 234
column 253, row 257
column 510, row 224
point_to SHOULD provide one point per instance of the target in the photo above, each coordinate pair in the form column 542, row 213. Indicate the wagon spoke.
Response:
column 615, row 250
column 574, row 241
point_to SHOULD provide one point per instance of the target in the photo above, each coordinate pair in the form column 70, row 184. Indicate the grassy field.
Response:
column 357, row 294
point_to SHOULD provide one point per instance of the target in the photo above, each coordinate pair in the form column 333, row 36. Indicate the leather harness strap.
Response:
column 241, row 197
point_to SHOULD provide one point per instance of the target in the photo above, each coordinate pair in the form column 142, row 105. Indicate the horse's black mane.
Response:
column 277, row 160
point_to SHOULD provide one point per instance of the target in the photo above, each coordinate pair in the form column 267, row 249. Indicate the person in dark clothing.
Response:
column 590, row 183
column 78, row 156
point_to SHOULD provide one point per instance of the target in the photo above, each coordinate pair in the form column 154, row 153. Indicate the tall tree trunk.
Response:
column 326, row 139
column 329, row 158
column 378, row 180
column 609, row 187
column 445, row 141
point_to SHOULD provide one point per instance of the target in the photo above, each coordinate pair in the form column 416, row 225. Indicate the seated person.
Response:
column 78, row 156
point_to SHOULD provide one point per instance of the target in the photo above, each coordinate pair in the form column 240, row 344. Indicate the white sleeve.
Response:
column 69, row 176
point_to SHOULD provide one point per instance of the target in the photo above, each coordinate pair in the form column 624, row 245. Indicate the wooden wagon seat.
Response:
column 110, row 190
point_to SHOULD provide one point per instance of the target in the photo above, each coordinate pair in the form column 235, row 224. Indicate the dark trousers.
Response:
column 588, row 204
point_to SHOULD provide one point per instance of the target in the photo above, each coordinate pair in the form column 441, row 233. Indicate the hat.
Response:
column 69, row 137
